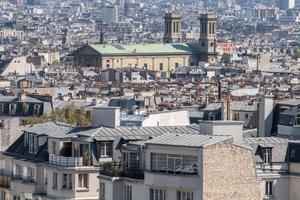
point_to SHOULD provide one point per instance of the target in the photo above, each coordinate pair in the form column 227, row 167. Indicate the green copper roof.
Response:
column 178, row 48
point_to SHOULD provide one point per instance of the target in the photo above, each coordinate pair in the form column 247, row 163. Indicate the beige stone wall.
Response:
column 153, row 62
column 229, row 173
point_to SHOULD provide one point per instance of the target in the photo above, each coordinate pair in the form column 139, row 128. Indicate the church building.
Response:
column 160, row 57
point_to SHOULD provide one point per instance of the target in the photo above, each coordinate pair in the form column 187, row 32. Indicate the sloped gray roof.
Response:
column 62, row 130
column 243, row 106
column 187, row 140
column 4, row 98
column 52, row 129
column 137, row 133
column 279, row 147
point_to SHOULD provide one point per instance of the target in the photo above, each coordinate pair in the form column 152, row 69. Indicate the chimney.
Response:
column 106, row 116
column 21, row 95
column 265, row 118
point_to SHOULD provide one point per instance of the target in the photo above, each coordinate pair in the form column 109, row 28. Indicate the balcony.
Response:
column 23, row 179
column 5, row 181
column 161, row 179
column 114, row 169
column 69, row 161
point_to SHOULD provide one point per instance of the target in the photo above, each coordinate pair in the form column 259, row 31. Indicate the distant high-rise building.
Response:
column 127, row 7
column 110, row 14
column 172, row 28
column 286, row 4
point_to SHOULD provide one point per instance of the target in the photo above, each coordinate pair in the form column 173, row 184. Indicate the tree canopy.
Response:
column 70, row 114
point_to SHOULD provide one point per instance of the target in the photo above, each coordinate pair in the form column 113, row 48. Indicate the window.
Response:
column 267, row 155
column 30, row 174
column 105, row 149
column 64, row 181
column 45, row 176
column 2, row 195
column 67, row 181
column 25, row 108
column 19, row 171
column 54, row 181
column 161, row 66
column 53, row 146
column 145, row 66
column 183, row 195
column 83, row 180
column 30, row 142
column 157, row 194
column 127, row 192
column 16, row 197
column 83, row 149
column 246, row 116
column 176, row 65
column 36, row 110
column 1, row 124
column 1, row 107
column 12, row 108
column 286, row 120
column 269, row 188
column 102, row 191
column 236, row 116
column 108, row 65
column 174, row 164
column 211, row 117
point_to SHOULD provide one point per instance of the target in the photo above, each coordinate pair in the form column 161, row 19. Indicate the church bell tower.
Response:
column 208, row 38
column 172, row 28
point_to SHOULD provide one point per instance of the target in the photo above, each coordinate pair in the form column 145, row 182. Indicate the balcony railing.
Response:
column 115, row 169
column 5, row 181
column 69, row 161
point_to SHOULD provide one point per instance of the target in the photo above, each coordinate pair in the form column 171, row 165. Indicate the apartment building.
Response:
column 55, row 160
column 181, row 166
column 47, row 162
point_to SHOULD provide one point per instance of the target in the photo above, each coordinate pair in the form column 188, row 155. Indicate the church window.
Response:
column 161, row 66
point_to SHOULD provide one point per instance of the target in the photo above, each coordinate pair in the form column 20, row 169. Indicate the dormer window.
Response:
column 1, row 107
column 32, row 143
column 105, row 149
column 267, row 155
column 12, row 108
column 36, row 110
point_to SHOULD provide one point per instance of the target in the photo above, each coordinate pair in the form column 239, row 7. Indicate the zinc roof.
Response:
column 177, row 48
column 187, row 140
column 62, row 130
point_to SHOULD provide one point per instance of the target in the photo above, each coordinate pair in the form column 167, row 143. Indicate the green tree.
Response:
column 70, row 114
column 297, row 54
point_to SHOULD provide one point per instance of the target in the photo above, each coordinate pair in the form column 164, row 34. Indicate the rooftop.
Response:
column 187, row 140
column 179, row 48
